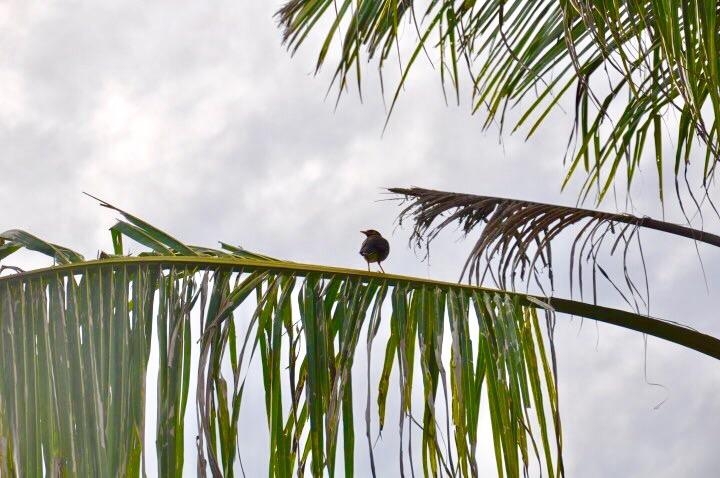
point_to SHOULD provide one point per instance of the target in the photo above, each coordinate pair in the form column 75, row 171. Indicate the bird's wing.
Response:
column 385, row 245
column 375, row 247
column 366, row 247
column 382, row 248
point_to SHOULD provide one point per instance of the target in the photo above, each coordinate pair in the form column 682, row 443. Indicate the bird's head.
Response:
column 370, row 232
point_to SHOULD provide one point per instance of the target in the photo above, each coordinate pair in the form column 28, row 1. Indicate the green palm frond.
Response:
column 76, row 341
column 628, row 64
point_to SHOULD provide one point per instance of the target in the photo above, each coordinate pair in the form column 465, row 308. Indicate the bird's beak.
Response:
column 363, row 232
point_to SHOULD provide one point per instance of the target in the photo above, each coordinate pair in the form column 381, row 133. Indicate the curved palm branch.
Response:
column 516, row 237
column 76, row 339
column 628, row 64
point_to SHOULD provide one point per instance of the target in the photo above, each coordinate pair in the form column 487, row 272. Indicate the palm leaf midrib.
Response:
column 670, row 331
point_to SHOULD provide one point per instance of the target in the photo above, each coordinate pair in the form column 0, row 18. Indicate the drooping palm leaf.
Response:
column 515, row 237
column 76, row 341
column 628, row 64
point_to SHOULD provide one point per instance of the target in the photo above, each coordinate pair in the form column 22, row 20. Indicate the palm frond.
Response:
column 628, row 64
column 76, row 339
column 516, row 236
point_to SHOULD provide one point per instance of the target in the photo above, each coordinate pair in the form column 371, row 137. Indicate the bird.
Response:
column 375, row 248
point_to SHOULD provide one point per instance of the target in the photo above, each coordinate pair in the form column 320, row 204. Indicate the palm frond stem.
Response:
column 666, row 330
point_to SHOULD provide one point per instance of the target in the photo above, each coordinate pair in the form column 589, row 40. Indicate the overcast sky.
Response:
column 193, row 116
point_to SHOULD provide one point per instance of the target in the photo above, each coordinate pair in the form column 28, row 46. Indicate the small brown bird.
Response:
column 375, row 248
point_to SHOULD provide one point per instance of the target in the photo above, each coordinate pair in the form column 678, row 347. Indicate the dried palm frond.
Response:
column 516, row 236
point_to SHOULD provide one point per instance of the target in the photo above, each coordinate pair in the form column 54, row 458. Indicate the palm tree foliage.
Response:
column 76, row 339
column 515, row 238
column 628, row 64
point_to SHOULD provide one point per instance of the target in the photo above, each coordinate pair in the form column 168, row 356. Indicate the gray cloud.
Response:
column 194, row 117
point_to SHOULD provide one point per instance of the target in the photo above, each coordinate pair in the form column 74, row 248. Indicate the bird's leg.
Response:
column 383, row 270
column 368, row 264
